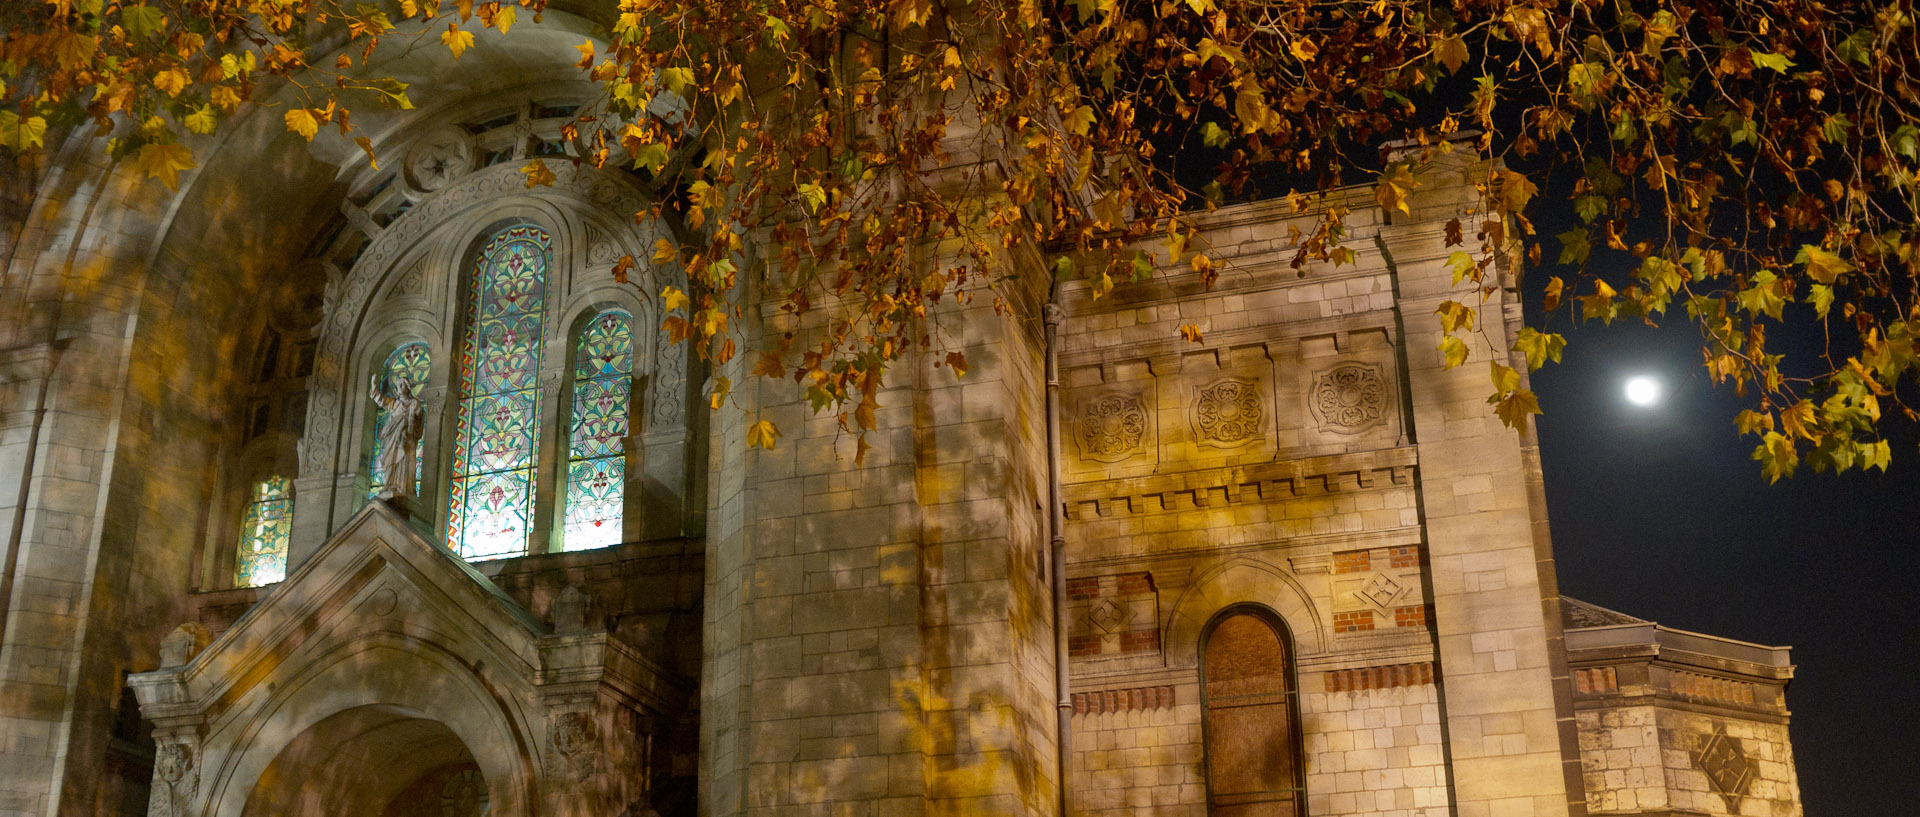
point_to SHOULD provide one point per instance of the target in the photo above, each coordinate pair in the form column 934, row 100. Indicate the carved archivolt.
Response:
column 1349, row 398
column 1111, row 427
column 1227, row 413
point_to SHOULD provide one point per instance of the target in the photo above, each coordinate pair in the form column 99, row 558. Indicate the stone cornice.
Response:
column 1227, row 486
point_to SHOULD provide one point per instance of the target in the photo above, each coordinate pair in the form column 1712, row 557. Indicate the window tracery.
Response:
column 596, row 467
column 490, row 512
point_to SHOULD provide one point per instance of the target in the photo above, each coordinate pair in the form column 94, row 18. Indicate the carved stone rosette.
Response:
column 1227, row 413
column 1111, row 427
column 1349, row 398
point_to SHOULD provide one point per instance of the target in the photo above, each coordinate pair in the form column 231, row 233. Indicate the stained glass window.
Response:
column 491, row 507
column 596, row 458
column 407, row 364
column 265, row 527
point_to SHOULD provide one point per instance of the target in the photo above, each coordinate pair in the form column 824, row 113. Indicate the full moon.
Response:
column 1643, row 391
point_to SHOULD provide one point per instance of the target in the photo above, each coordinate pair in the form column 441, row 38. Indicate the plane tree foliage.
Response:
column 1740, row 166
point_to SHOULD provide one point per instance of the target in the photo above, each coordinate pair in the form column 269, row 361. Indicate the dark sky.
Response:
column 1660, row 513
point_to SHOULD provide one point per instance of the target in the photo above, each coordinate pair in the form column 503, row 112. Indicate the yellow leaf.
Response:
column 1303, row 49
column 1394, row 187
column 172, row 80
column 1823, row 266
column 367, row 145
column 164, row 162
column 1451, row 52
column 1554, row 287
column 664, row 251
column 1505, row 379
column 769, row 366
column 1081, row 120
column 721, row 388
column 22, row 134
column 762, row 434
column 538, row 174
column 456, row 40
column 1514, row 408
column 959, row 363
column 201, row 120
column 1453, row 350
column 1455, row 316
column 1799, row 420
column 672, row 299
column 302, row 121
column 505, row 19
column 1191, row 333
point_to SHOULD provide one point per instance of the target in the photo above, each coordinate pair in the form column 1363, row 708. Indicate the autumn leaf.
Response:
column 1303, row 49
column 1191, row 333
column 1777, row 456
column 1081, row 120
column 1555, row 287
column 21, row 133
column 762, row 434
column 1450, row 51
column 1455, row 316
column 958, row 361
column 456, row 39
column 538, row 174
column 622, row 268
column 1822, row 266
column 142, row 21
column 202, row 120
column 1539, row 347
column 769, row 366
column 303, row 122
column 1514, row 408
column 1512, row 191
column 1453, row 351
column 1462, row 265
column 672, row 299
column 171, row 80
column 1798, row 421
column 366, row 146
column 1396, row 183
column 163, row 162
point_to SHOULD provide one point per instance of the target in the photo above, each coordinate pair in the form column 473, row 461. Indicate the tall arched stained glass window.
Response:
column 265, row 527
column 596, row 457
column 408, row 364
column 491, row 508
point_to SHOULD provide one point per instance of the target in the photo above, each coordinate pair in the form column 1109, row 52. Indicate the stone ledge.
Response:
column 1231, row 485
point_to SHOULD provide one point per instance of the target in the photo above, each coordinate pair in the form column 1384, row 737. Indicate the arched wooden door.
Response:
column 1251, row 722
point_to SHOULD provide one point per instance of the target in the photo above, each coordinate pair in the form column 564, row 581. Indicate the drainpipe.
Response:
column 1057, row 528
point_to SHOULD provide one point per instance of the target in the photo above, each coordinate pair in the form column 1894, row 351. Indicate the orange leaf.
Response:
column 1191, row 333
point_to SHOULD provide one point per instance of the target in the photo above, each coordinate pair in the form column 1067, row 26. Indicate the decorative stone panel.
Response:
column 1227, row 413
column 1122, row 700
column 1112, row 427
column 1349, row 398
column 1383, row 583
column 1385, row 677
column 1726, row 765
column 1113, row 616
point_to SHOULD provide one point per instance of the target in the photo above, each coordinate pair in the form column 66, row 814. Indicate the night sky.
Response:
column 1660, row 513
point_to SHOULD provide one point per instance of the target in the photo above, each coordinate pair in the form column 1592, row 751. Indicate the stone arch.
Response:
column 394, row 672
column 1238, row 581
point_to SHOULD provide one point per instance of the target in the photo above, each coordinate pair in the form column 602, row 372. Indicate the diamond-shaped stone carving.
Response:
column 1108, row 616
column 1726, row 765
column 1381, row 590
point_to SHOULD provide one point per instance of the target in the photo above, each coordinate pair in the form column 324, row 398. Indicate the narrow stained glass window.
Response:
column 265, row 527
column 491, row 508
column 596, row 459
column 406, row 365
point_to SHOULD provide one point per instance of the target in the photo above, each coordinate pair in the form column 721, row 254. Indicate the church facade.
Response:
column 1307, row 571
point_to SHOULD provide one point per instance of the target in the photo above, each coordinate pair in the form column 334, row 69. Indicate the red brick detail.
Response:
column 1414, row 616
column 1596, row 679
column 1712, row 689
column 1353, row 622
column 1140, row 640
column 1408, row 556
column 1394, row 675
column 1084, row 588
column 1353, row 561
column 1080, row 646
column 1134, row 584
column 1121, row 700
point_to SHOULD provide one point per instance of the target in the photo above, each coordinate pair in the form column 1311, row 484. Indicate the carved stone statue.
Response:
column 399, row 439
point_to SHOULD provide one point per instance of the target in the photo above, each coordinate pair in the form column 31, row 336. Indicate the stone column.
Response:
column 1492, row 581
